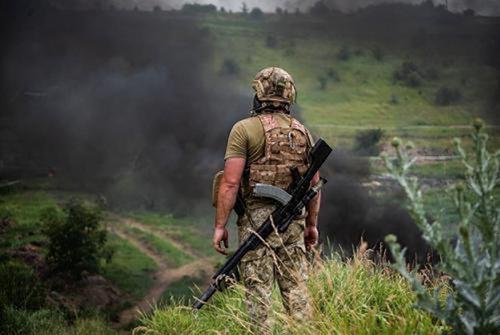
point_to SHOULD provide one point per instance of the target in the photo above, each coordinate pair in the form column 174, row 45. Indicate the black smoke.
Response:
column 351, row 210
column 121, row 103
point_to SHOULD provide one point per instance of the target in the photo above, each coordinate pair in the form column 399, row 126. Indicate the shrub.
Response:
column 271, row 41
column 446, row 96
column 323, row 82
column 414, row 79
column 409, row 74
column 20, row 287
column 394, row 99
column 367, row 142
column 77, row 239
column 319, row 9
column 378, row 54
column 256, row 13
column 230, row 67
column 333, row 75
column 469, row 253
column 344, row 53
column 195, row 8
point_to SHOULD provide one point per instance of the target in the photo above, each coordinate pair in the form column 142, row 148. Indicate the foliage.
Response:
column 470, row 254
column 367, row 141
column 378, row 53
column 256, row 13
column 129, row 269
column 47, row 322
column 319, row 9
column 333, row 74
column 344, row 53
column 194, row 8
column 77, row 239
column 323, row 82
column 271, row 41
column 446, row 96
column 355, row 297
column 20, row 287
column 409, row 74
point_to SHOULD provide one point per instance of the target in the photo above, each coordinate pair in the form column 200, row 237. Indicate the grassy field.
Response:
column 193, row 232
column 160, row 246
column 360, row 90
column 130, row 270
column 24, row 209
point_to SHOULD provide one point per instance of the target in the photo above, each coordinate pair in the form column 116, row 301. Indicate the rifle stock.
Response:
column 281, row 218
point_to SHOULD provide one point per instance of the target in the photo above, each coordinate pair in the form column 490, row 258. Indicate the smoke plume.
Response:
column 122, row 104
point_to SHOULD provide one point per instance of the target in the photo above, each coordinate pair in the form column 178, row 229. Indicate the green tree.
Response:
column 77, row 238
column 470, row 254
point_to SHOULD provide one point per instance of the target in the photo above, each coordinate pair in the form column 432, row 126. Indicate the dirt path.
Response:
column 163, row 277
column 161, row 235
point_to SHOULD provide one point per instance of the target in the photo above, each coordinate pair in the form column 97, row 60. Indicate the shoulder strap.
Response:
column 268, row 122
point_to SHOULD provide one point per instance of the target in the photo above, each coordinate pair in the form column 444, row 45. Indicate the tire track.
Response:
column 163, row 277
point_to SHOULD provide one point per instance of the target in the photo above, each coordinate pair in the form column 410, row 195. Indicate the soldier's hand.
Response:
column 220, row 235
column 311, row 237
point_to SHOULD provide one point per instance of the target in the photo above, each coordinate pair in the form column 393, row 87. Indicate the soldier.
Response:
column 262, row 149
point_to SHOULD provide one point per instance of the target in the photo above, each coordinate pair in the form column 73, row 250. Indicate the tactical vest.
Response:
column 285, row 147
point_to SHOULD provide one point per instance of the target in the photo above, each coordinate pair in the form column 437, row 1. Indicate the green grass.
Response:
column 181, row 291
column 25, row 209
column 348, row 298
column 362, row 96
column 50, row 322
column 130, row 270
column 163, row 247
column 192, row 232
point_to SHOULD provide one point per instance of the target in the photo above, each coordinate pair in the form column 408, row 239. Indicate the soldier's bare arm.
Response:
column 311, row 232
column 230, row 183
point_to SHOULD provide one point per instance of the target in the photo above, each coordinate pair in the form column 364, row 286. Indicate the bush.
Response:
column 20, row 287
column 47, row 322
column 333, row 75
column 198, row 9
column 319, row 9
column 344, row 53
column 367, row 142
column 256, row 13
column 271, row 41
column 446, row 96
column 230, row 67
column 77, row 239
column 323, row 82
column 394, row 99
column 409, row 74
column 469, row 251
column 378, row 54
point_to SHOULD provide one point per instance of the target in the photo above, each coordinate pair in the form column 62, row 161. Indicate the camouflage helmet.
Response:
column 273, row 84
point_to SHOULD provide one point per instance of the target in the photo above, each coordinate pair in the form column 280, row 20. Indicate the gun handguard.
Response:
column 281, row 218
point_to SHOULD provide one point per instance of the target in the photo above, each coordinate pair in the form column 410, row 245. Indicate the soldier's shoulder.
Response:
column 248, row 124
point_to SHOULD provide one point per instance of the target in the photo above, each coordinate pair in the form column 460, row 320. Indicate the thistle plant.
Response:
column 469, row 250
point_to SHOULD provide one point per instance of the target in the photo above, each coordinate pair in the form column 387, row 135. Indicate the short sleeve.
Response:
column 237, row 142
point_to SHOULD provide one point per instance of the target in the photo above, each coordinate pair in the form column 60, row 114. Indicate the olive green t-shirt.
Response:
column 247, row 140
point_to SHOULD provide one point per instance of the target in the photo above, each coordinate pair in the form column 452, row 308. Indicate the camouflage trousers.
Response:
column 283, row 258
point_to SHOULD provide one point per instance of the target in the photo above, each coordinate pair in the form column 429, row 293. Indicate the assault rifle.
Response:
column 291, row 206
